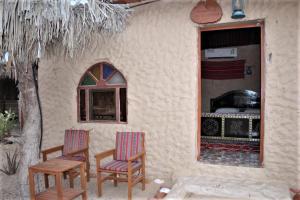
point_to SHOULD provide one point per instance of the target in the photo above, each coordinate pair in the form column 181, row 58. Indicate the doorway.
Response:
column 8, row 95
column 231, row 94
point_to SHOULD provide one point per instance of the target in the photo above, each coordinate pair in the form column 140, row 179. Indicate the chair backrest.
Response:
column 128, row 144
column 75, row 140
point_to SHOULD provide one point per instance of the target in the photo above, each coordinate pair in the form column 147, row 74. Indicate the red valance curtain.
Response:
column 221, row 70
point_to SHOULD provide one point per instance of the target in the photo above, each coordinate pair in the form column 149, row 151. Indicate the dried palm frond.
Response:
column 27, row 27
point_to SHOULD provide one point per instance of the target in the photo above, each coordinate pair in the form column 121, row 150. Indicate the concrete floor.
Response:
column 9, row 191
column 120, row 192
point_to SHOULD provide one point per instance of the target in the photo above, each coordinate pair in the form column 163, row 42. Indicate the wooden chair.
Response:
column 76, row 147
column 128, row 164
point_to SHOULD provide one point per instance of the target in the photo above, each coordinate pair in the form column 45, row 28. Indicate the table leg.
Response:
column 58, row 184
column 31, row 185
column 83, row 181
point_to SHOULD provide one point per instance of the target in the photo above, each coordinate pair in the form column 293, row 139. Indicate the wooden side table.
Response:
column 57, row 167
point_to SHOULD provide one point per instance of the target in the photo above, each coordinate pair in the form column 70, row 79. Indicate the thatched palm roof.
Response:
column 27, row 27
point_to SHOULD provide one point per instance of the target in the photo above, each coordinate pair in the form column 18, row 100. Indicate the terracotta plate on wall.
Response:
column 206, row 12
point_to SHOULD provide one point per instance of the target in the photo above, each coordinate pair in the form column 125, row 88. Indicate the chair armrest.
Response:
column 72, row 153
column 104, row 154
column 135, row 157
column 51, row 150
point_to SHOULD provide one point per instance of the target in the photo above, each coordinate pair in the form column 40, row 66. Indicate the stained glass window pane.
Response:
column 96, row 72
column 107, row 70
column 88, row 80
column 116, row 79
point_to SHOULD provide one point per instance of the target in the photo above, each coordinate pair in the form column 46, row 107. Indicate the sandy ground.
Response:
column 10, row 191
column 9, row 187
column 7, row 183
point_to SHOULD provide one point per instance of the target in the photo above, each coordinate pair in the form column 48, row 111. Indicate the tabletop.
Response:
column 55, row 165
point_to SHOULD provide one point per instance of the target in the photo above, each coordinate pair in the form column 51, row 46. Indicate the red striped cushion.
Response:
column 120, row 166
column 128, row 144
column 75, row 140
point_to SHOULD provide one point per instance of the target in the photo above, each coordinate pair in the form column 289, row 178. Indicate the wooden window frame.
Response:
column 239, row 25
column 101, row 85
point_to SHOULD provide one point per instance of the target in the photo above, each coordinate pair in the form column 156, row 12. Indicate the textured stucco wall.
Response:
column 158, row 56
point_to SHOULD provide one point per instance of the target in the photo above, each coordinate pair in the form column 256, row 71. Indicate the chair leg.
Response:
column 129, row 186
column 46, row 180
column 143, row 173
column 65, row 175
column 144, row 178
column 99, row 184
column 84, row 196
column 115, row 180
column 88, row 171
column 129, row 192
column 71, row 179
column 143, row 184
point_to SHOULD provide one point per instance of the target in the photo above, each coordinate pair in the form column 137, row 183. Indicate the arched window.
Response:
column 102, row 95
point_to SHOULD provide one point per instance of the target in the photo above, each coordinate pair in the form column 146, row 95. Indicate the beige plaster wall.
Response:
column 214, row 88
column 158, row 56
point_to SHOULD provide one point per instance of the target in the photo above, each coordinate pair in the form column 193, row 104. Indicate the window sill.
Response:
column 102, row 122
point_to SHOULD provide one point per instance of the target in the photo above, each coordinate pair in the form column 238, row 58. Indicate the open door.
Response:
column 231, row 93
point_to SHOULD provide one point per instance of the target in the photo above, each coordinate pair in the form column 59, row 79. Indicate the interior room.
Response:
column 231, row 93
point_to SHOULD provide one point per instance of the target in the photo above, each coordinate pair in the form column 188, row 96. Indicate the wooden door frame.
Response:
column 247, row 24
